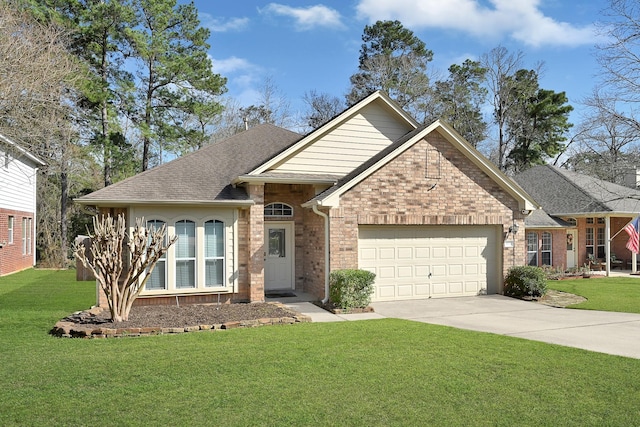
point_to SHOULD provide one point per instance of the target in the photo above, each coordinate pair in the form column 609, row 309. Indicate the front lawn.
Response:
column 379, row 372
column 603, row 293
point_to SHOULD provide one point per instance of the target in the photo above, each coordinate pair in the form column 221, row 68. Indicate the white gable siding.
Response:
column 17, row 183
column 347, row 146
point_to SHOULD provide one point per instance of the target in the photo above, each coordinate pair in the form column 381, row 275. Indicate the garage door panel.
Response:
column 387, row 253
column 455, row 270
column 368, row 254
column 430, row 261
column 439, row 252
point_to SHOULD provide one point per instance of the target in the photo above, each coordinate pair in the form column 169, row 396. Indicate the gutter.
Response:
column 326, row 251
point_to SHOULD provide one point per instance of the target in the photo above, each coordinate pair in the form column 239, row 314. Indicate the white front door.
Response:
column 572, row 242
column 278, row 256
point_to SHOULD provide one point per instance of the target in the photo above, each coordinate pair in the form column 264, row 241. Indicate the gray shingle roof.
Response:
column 563, row 192
column 540, row 219
column 204, row 175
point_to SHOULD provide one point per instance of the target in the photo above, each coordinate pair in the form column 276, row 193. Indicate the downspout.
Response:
column 326, row 252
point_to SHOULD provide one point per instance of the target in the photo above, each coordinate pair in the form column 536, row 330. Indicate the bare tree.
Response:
column 37, row 98
column 145, row 248
column 321, row 107
column 607, row 142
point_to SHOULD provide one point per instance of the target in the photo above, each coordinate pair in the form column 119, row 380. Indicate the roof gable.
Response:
column 563, row 192
column 331, row 196
column 346, row 141
column 203, row 176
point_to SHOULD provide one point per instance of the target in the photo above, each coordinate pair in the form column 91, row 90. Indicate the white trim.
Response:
column 324, row 129
column 291, row 246
column 22, row 151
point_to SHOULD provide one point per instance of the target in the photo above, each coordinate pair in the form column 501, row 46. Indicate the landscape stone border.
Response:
column 68, row 329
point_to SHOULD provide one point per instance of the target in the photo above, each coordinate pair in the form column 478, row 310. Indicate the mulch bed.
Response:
column 162, row 319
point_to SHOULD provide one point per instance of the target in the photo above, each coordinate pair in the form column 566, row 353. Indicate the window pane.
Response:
column 185, row 274
column 213, row 239
column 532, row 258
column 158, row 278
column 276, row 243
column 214, row 272
column 589, row 236
column 546, row 241
column 546, row 258
column 186, row 244
column 155, row 225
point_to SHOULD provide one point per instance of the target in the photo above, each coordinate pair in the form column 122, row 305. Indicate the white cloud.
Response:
column 307, row 18
column 520, row 19
column 219, row 26
column 231, row 65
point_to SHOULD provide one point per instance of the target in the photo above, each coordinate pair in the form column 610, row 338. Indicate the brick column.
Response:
column 256, row 244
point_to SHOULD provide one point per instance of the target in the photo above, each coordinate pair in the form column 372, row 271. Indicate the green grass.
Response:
column 365, row 373
column 606, row 293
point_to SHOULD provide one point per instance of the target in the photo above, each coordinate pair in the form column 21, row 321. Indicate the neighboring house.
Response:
column 581, row 221
column 270, row 210
column 18, row 173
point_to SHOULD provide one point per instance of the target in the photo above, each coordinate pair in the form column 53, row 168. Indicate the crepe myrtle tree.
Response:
column 122, row 284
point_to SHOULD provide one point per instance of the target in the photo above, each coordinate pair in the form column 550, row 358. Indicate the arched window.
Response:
column 158, row 278
column 545, row 248
column 214, row 253
column 532, row 248
column 185, row 254
column 278, row 209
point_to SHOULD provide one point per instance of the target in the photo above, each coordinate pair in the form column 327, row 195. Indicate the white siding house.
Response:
column 18, row 174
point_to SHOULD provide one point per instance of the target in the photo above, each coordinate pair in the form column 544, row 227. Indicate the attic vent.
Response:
column 433, row 164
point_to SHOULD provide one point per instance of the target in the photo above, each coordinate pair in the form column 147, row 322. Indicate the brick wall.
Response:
column 12, row 258
column 255, row 244
column 403, row 192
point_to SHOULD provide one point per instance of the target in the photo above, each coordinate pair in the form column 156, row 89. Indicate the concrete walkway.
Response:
column 605, row 332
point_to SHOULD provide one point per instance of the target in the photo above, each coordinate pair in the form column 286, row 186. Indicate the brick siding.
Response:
column 400, row 193
column 11, row 257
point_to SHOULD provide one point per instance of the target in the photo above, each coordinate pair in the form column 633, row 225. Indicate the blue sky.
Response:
column 314, row 45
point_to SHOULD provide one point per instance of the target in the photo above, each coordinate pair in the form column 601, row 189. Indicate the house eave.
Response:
column 123, row 203
column 259, row 179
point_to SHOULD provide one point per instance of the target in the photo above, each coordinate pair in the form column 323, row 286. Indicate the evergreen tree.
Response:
column 394, row 60
column 173, row 70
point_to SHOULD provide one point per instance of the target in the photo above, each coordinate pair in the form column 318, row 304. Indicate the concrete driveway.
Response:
column 605, row 332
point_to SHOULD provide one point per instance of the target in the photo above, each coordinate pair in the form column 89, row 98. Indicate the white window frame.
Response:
column 11, row 223
column 546, row 247
column 532, row 248
column 222, row 258
column 589, row 241
column 26, row 236
column 187, row 259
column 278, row 210
column 161, row 265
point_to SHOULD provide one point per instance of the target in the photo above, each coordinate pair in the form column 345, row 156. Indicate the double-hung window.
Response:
column 545, row 248
column 158, row 278
column 589, row 241
column 11, row 225
column 185, row 250
column 26, row 236
column 214, row 253
column 532, row 248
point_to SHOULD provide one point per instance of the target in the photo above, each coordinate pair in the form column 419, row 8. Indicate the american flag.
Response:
column 632, row 231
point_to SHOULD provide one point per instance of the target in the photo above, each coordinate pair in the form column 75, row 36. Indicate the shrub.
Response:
column 351, row 288
column 525, row 280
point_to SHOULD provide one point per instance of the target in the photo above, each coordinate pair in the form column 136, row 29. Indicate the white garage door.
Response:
column 412, row 262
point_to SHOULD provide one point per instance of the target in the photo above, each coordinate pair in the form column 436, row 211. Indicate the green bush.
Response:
column 525, row 280
column 351, row 288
